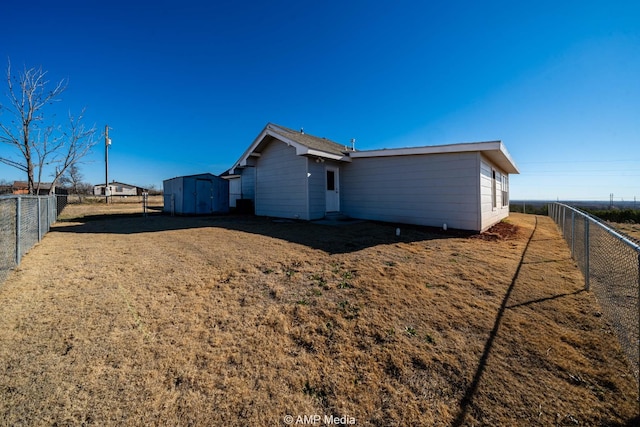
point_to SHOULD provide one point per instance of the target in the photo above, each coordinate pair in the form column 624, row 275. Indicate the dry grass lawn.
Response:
column 121, row 320
column 632, row 230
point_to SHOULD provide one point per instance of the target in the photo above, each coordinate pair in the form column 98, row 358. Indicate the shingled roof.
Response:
column 305, row 145
column 310, row 141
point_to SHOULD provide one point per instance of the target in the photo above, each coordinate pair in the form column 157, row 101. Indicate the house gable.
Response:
column 281, row 185
column 304, row 145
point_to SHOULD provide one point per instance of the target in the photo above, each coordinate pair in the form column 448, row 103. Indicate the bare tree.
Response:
column 72, row 178
column 40, row 142
column 5, row 186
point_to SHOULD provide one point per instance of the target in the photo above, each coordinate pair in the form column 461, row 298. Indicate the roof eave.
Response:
column 510, row 163
column 242, row 161
column 495, row 150
column 323, row 154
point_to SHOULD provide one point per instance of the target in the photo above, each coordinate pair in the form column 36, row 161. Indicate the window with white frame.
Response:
column 505, row 190
column 494, row 196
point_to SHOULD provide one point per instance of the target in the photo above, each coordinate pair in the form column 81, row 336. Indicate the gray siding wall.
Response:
column 173, row 188
column 235, row 191
column 281, row 183
column 183, row 190
column 188, row 196
column 420, row 189
column 119, row 190
column 248, row 178
column 489, row 214
column 317, row 186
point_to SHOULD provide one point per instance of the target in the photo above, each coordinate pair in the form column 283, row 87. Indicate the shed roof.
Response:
column 206, row 175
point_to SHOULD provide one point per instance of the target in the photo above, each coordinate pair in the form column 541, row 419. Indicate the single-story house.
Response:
column 291, row 174
column 118, row 189
column 196, row 194
column 22, row 187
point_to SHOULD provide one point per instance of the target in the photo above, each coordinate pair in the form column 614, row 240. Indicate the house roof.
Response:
column 24, row 185
column 310, row 141
column 304, row 144
column 494, row 150
column 121, row 184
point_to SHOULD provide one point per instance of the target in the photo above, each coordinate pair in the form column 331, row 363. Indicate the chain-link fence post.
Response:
column 55, row 208
column 586, row 253
column 18, row 218
column 573, row 233
column 39, row 220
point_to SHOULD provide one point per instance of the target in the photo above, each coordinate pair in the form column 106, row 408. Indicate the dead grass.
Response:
column 632, row 230
column 240, row 321
column 94, row 206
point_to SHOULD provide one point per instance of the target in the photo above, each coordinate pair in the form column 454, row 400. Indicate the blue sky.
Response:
column 186, row 86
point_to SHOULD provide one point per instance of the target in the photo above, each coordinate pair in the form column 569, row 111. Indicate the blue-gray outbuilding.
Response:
column 202, row 194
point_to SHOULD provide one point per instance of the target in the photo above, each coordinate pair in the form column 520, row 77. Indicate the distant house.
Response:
column 118, row 189
column 196, row 194
column 22, row 187
column 291, row 174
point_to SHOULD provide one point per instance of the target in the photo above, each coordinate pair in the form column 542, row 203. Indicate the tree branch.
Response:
column 41, row 145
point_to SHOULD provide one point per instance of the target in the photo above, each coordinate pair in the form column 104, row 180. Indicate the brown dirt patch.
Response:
column 123, row 320
column 504, row 230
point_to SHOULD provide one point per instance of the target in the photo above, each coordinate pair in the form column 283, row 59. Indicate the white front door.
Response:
column 332, row 187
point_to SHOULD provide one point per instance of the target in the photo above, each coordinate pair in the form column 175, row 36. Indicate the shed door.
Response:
column 333, row 186
column 204, row 196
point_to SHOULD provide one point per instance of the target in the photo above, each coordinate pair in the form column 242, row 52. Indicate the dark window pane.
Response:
column 331, row 180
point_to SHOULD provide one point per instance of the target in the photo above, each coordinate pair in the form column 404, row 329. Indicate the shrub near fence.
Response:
column 24, row 220
column 610, row 263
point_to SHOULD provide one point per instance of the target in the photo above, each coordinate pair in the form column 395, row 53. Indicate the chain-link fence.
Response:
column 610, row 262
column 24, row 220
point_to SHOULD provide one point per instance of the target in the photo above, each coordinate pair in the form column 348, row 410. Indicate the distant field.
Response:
column 118, row 319
column 95, row 206
column 632, row 230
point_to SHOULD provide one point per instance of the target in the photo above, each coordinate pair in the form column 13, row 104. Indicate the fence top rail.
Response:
column 599, row 222
column 24, row 196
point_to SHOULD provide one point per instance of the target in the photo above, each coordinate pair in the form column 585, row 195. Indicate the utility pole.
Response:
column 107, row 143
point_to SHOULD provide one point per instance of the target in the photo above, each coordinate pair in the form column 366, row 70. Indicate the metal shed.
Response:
column 196, row 195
